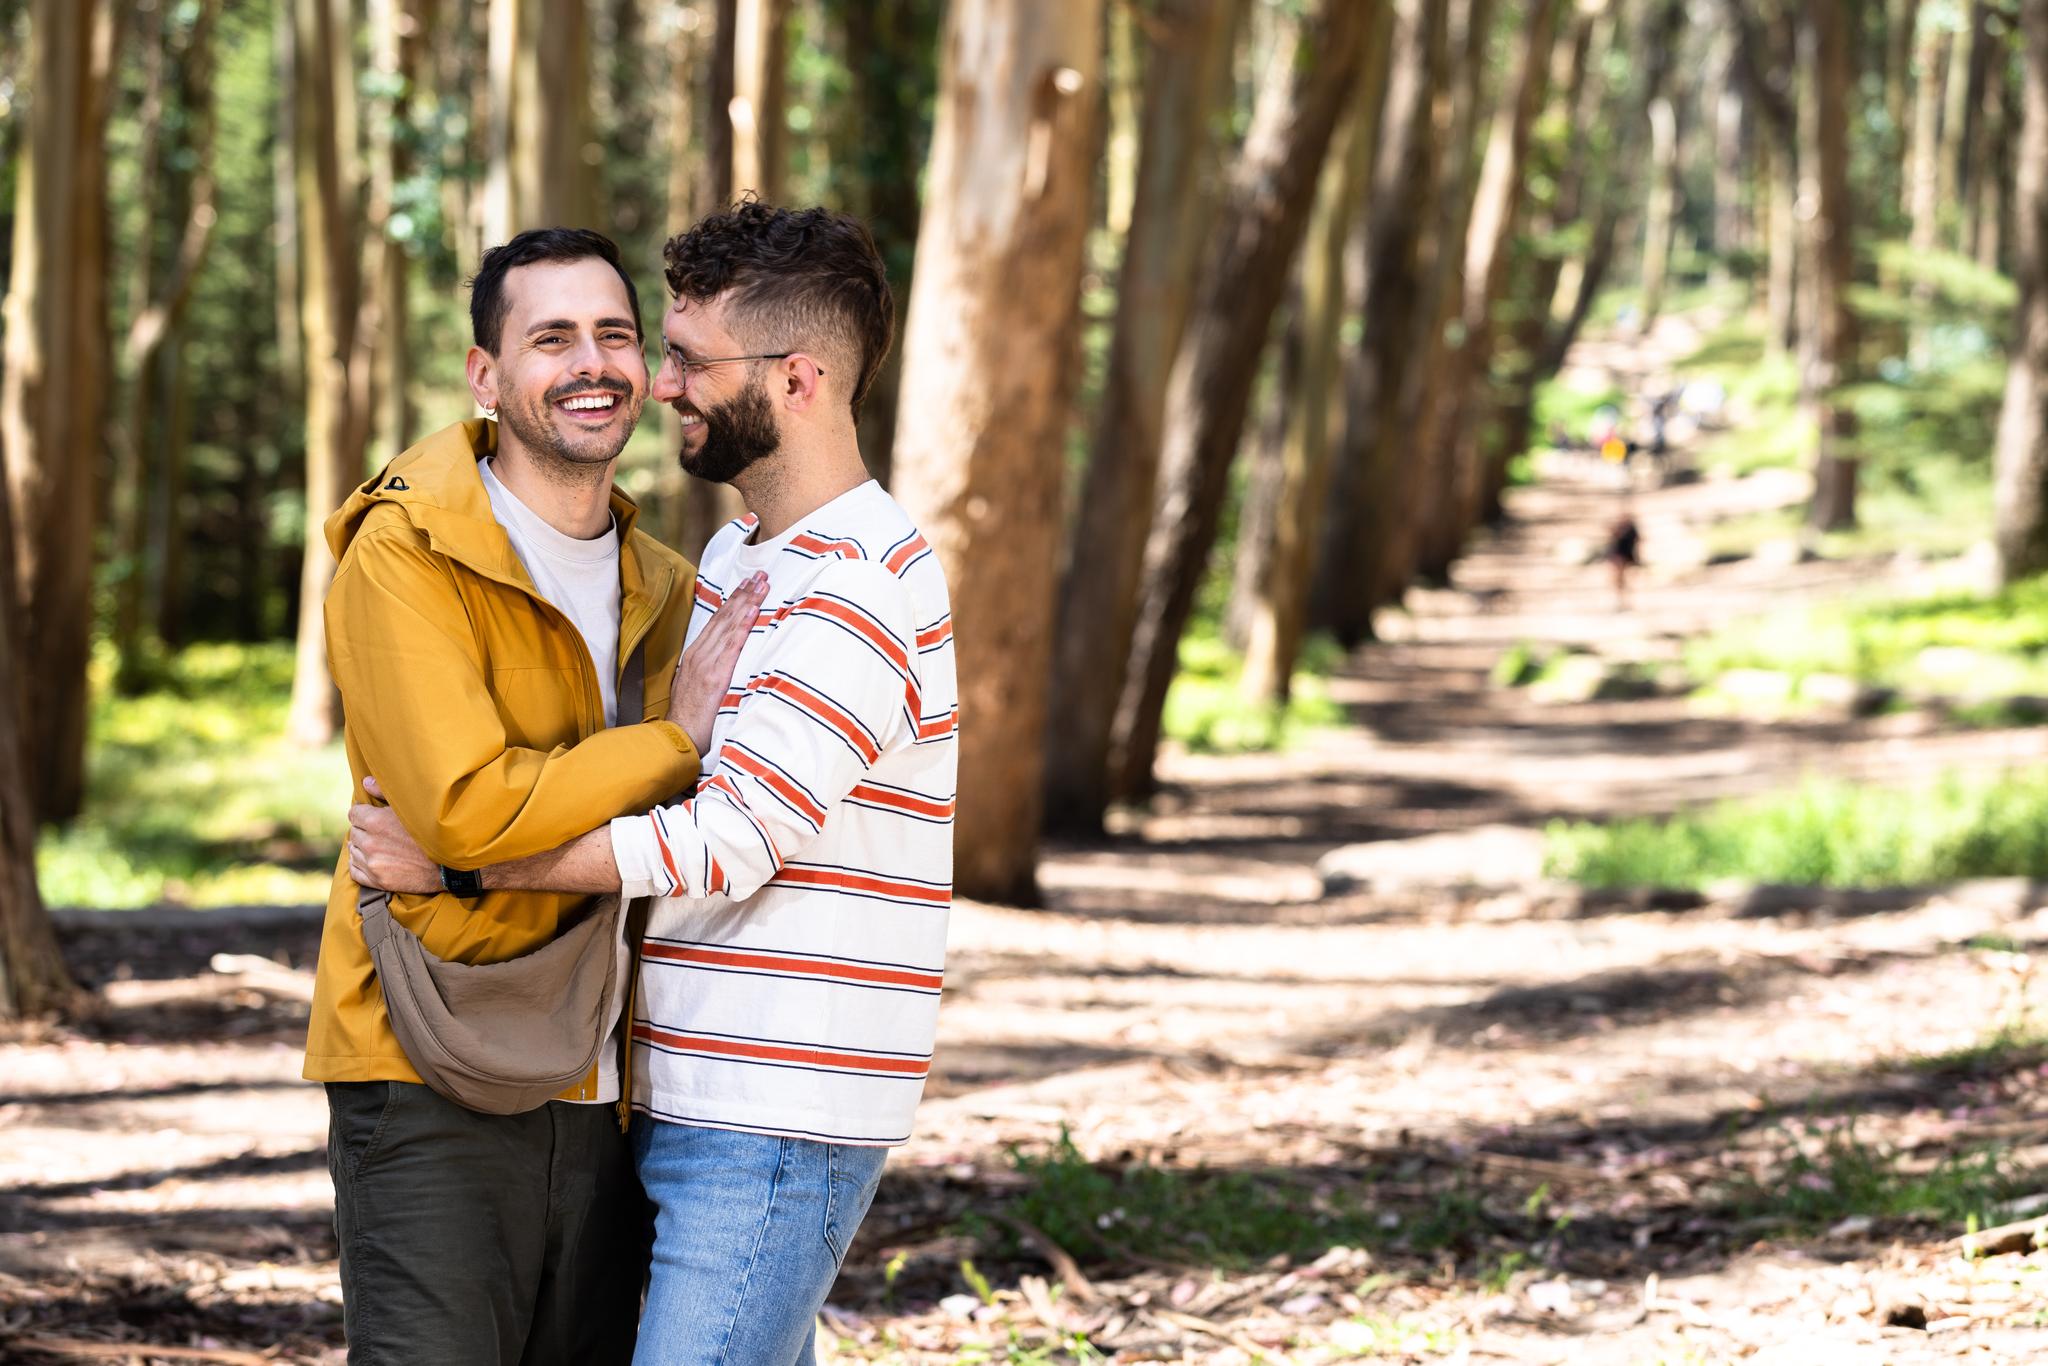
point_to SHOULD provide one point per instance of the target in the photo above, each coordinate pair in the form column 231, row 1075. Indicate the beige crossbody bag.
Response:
column 505, row 1038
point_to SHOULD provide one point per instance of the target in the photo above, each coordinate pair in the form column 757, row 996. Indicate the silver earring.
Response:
column 491, row 413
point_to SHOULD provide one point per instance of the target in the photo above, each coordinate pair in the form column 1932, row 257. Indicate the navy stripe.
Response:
column 898, row 811
column 945, row 884
column 786, row 1043
column 820, row 979
column 763, row 759
column 781, row 1066
column 873, row 649
column 802, row 953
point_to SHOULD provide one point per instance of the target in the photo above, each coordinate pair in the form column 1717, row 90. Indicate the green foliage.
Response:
column 1824, row 833
column 1198, row 1217
column 194, row 796
column 1815, row 1185
column 1207, row 711
column 1958, row 644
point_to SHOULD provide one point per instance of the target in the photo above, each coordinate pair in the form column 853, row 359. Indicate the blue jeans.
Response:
column 749, row 1232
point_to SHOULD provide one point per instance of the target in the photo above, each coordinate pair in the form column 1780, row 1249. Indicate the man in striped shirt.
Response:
column 790, row 975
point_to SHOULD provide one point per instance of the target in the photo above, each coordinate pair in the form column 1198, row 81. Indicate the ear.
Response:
column 482, row 370
column 801, row 380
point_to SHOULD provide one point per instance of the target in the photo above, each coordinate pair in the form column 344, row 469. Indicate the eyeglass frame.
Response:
column 686, row 365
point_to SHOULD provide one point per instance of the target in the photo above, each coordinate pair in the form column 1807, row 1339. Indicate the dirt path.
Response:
column 1335, row 968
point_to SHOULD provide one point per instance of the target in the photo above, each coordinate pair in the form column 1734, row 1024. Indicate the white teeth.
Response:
column 588, row 401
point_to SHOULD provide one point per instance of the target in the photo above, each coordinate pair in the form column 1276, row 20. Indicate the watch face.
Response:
column 461, row 882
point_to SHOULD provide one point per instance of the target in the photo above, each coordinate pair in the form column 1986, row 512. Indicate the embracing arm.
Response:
column 383, row 852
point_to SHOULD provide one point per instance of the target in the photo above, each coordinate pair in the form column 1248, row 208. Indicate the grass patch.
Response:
column 1964, row 645
column 1207, row 711
column 1817, row 1184
column 194, row 796
column 1826, row 834
column 1237, row 1219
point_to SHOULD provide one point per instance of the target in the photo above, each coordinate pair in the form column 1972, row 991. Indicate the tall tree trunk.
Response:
column 1277, row 618
column 2022, row 462
column 1399, row 253
column 988, row 373
column 398, row 34
column 54, row 382
column 337, row 359
column 1923, row 173
column 539, row 77
column 135, row 440
column 1726, row 111
column 1953, row 162
column 1827, row 43
column 1186, row 68
column 1900, row 22
column 759, row 97
column 32, row 974
column 1579, row 93
column 713, row 43
column 1244, row 274
column 1433, row 538
column 1994, row 142
column 1660, row 210
column 1496, row 219
column 878, row 148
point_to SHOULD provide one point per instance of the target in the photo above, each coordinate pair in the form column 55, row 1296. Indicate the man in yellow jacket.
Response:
column 491, row 590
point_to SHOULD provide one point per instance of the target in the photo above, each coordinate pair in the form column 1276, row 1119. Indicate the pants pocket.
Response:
column 359, row 1112
column 851, row 1175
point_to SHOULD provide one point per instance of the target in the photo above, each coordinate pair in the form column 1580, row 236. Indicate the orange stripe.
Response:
column 674, row 877
column 936, row 635
column 826, row 712
column 945, row 725
column 810, row 967
column 840, row 612
column 923, row 806
column 708, row 597
column 861, row 882
column 909, row 1067
column 906, row 555
column 719, row 883
column 778, row 784
column 813, row 544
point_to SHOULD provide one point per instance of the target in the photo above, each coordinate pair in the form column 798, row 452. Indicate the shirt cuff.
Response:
column 643, row 871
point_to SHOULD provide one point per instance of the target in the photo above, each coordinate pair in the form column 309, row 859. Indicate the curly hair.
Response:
column 793, row 279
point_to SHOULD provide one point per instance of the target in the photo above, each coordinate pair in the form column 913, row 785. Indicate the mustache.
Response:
column 606, row 385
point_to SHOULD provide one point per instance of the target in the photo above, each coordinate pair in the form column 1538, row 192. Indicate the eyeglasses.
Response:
column 689, row 367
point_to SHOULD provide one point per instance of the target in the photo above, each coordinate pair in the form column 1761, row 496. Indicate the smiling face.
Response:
column 729, row 416
column 568, row 378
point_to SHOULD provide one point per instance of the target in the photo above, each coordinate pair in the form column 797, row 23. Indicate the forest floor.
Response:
column 1309, row 1062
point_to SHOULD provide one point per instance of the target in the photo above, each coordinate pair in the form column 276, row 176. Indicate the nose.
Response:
column 668, row 382
column 589, row 361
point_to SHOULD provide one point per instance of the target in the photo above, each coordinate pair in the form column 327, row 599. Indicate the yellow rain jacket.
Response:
column 472, row 701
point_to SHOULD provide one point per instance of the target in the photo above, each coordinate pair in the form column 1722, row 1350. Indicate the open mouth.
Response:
column 589, row 407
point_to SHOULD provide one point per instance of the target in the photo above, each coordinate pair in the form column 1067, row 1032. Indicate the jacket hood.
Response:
column 436, row 487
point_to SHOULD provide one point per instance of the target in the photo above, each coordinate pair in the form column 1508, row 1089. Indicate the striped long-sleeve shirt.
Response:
column 791, row 970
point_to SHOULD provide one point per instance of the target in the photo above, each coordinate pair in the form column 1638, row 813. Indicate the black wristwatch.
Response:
column 462, row 881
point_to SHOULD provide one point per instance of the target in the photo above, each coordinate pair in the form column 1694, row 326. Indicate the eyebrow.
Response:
column 567, row 325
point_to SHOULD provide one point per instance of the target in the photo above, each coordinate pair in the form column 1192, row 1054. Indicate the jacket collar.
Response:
column 437, row 485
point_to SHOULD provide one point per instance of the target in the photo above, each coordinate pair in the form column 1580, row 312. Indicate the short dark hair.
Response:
column 799, row 279
column 488, row 306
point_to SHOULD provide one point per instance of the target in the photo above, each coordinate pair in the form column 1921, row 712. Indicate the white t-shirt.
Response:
column 582, row 579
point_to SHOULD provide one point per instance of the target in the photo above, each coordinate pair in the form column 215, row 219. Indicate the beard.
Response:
column 570, row 453
column 738, row 434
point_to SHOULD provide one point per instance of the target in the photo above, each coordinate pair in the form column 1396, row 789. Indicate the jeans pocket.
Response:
column 851, row 1174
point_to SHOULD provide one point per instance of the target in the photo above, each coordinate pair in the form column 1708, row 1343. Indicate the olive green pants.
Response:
column 484, row 1240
